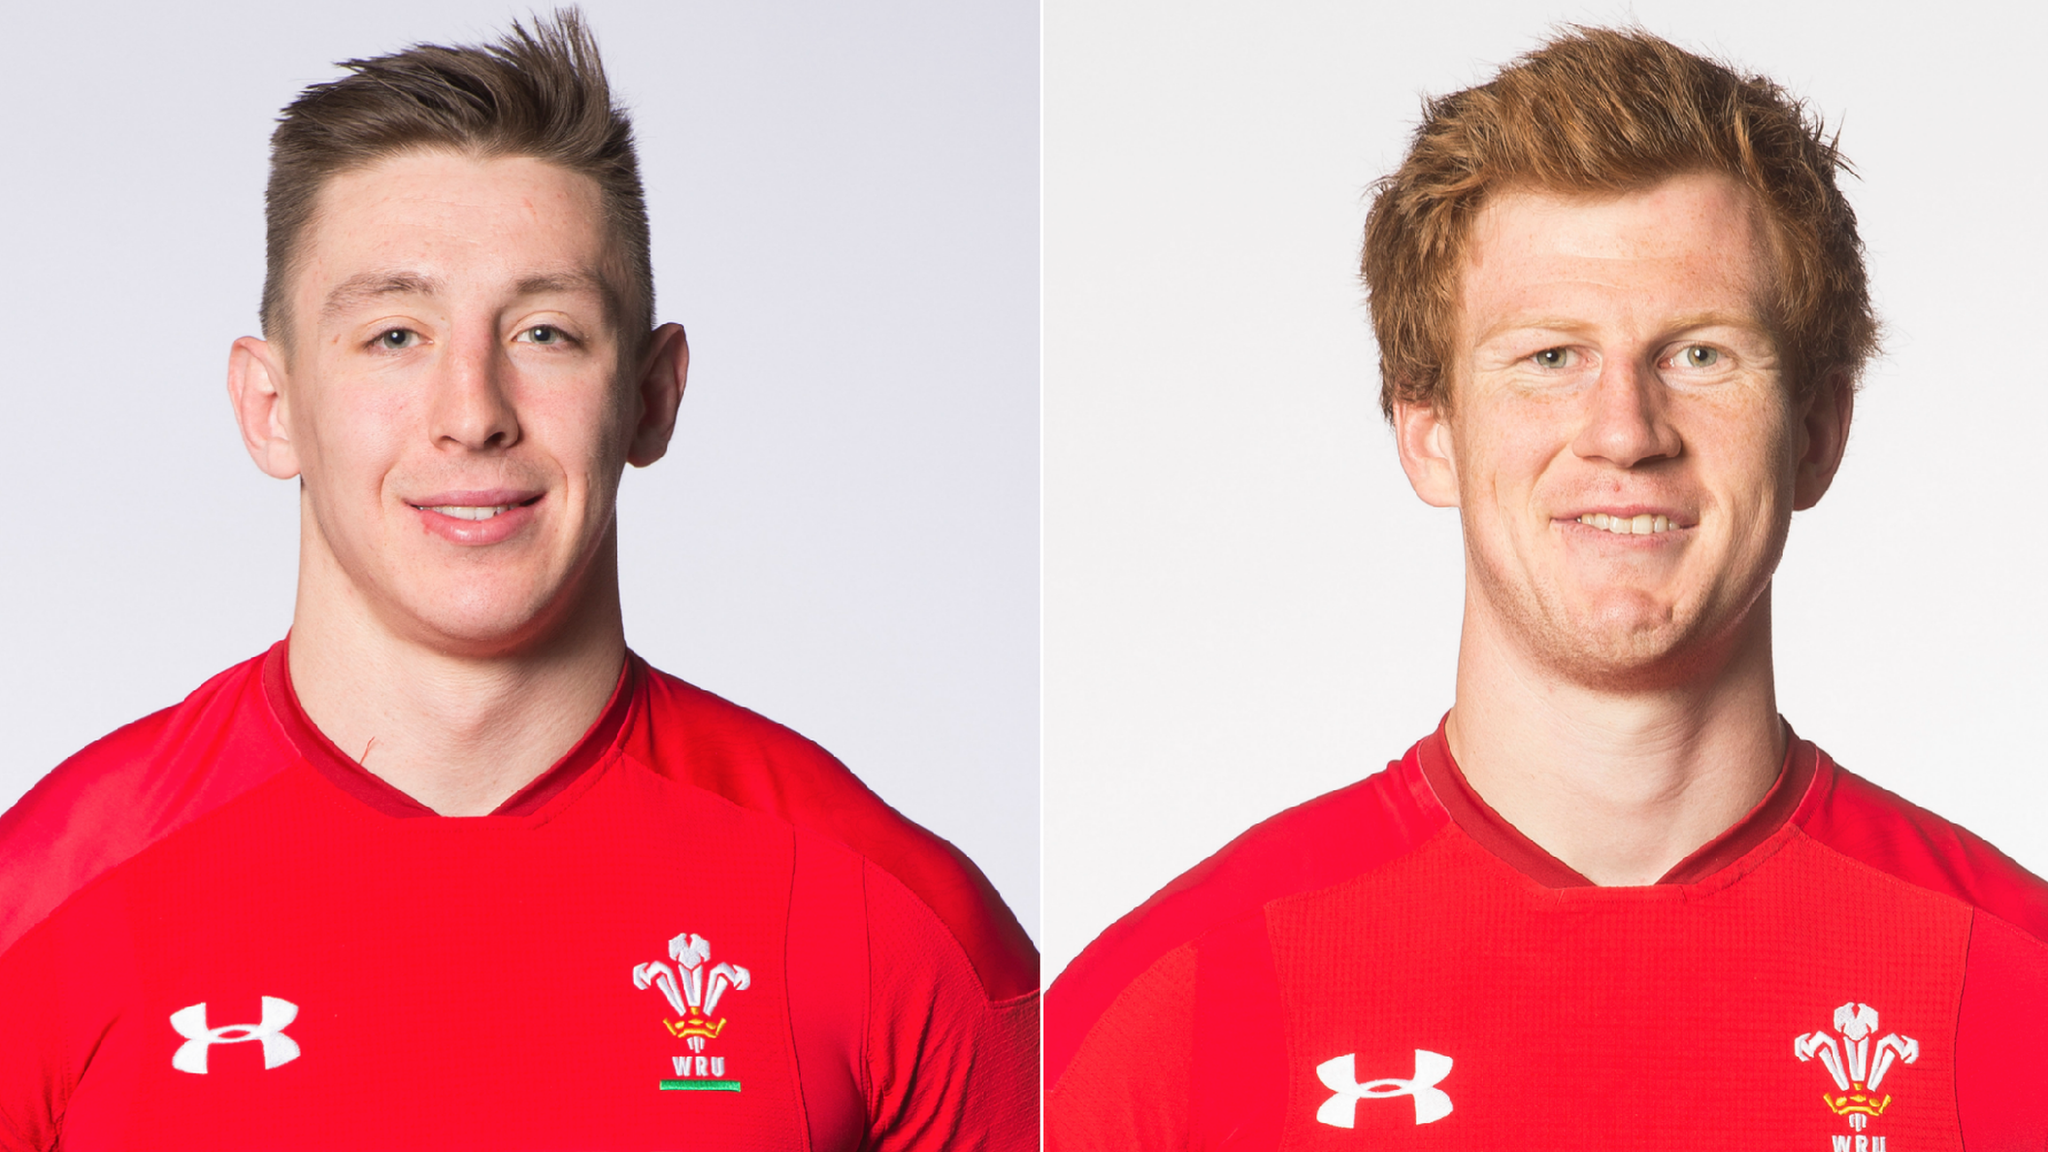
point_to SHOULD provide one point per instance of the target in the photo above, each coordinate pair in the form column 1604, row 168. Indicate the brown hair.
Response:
column 539, row 94
column 1604, row 111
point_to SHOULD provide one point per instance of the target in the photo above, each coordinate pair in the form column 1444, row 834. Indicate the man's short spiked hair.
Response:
column 540, row 94
column 1604, row 112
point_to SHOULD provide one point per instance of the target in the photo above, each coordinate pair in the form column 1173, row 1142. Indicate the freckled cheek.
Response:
column 1507, row 461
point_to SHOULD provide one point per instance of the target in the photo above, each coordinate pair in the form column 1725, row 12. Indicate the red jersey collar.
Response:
column 1478, row 820
column 372, row 790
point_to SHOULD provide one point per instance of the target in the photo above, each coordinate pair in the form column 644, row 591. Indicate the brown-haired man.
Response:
column 255, row 920
column 1612, row 902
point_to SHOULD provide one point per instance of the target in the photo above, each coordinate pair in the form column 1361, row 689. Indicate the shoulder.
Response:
column 1326, row 841
column 130, row 789
column 2005, row 977
column 1884, row 831
column 695, row 737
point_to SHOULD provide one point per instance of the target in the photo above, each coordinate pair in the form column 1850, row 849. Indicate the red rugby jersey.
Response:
column 1394, row 966
column 697, row 930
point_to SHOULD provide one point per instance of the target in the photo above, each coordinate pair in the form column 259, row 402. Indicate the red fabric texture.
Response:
column 1548, row 999
column 926, row 1024
column 1321, row 842
column 819, row 793
column 2000, row 1064
column 126, row 791
column 1875, row 827
column 1665, row 1016
column 1151, row 1026
column 1239, row 1099
column 471, row 983
column 828, row 988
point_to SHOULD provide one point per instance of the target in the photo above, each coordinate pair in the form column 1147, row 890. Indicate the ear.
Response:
column 663, row 373
column 1825, row 425
column 255, row 376
column 1423, row 436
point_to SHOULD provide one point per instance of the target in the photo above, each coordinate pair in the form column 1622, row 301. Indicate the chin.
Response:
column 484, row 621
column 1634, row 665
column 1633, row 650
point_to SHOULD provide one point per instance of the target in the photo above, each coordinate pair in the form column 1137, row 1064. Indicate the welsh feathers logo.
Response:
column 694, row 986
column 1857, row 1059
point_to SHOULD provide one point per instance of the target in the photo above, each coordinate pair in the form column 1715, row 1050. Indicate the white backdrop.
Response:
column 1246, row 606
column 845, row 213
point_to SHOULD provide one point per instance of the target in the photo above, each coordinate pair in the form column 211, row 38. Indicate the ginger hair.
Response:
column 1604, row 112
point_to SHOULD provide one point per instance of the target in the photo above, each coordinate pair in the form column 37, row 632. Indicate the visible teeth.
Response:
column 1642, row 525
column 470, row 512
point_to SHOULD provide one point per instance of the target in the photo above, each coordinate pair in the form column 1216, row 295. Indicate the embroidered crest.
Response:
column 694, row 986
column 1857, row 1059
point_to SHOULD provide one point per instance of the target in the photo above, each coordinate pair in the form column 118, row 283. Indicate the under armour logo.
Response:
column 1341, row 1076
column 278, row 1048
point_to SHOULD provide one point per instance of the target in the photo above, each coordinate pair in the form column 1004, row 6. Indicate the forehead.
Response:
column 471, row 224
column 1687, row 243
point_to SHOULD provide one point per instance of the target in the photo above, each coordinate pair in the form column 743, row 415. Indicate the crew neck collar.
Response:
column 372, row 790
column 1477, row 819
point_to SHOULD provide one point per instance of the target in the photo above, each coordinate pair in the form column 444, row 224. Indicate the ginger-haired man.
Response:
column 1612, row 901
column 450, row 867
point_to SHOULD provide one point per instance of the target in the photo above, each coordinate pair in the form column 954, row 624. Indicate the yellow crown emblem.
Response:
column 695, row 1026
column 1857, row 1099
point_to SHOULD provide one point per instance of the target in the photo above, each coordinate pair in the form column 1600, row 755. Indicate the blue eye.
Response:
column 397, row 338
column 1552, row 358
column 544, row 334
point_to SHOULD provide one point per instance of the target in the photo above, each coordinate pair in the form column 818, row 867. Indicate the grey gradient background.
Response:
column 1245, row 604
column 844, row 535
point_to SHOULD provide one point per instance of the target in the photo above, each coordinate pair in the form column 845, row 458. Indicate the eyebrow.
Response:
column 577, row 281
column 1686, row 323
column 561, row 282
column 364, row 287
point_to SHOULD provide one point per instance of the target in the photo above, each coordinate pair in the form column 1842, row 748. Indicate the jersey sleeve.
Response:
column 64, row 987
column 1165, row 1031
column 35, row 1079
column 1189, row 1054
column 1129, row 1083
column 949, row 1068
column 2000, row 1062
column 66, row 963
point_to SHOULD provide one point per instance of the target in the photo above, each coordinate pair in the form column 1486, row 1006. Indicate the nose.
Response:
column 472, row 408
column 1625, row 421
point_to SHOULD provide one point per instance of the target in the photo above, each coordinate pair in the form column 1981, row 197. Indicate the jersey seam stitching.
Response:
column 1969, row 905
column 959, row 945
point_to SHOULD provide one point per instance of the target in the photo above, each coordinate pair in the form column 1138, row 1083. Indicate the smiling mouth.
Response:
column 473, row 511
column 1642, row 525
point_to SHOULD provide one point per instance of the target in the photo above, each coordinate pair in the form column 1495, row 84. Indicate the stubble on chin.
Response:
column 1624, row 642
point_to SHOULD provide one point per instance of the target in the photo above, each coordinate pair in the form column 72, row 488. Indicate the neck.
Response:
column 1621, row 785
column 457, row 727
